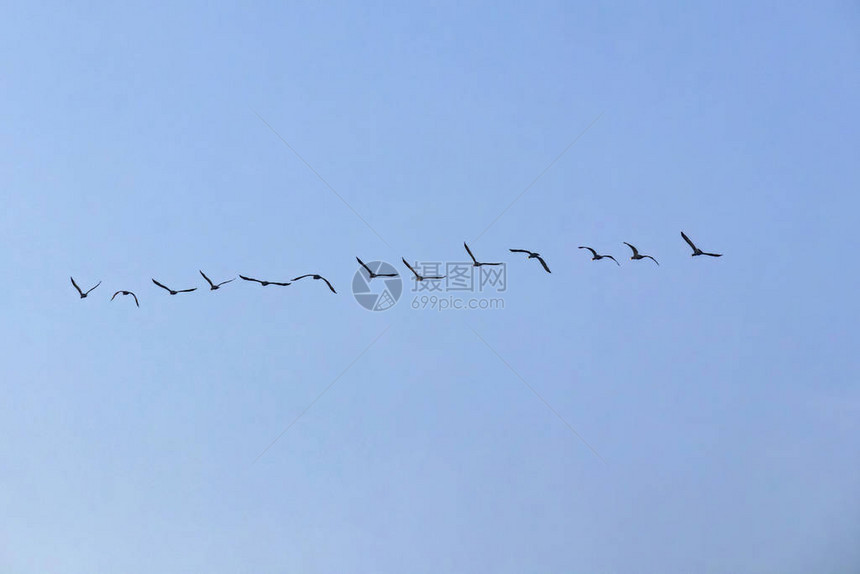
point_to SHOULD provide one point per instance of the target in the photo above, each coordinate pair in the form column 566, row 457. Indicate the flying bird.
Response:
column 636, row 255
column 532, row 255
column 596, row 257
column 475, row 262
column 264, row 283
column 213, row 286
column 417, row 276
column 696, row 250
column 83, row 294
column 173, row 291
column 317, row 277
column 126, row 293
column 371, row 274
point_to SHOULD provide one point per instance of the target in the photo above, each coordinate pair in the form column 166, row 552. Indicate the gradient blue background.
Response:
column 722, row 393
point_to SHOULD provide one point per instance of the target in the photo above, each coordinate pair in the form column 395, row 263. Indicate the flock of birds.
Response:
column 595, row 256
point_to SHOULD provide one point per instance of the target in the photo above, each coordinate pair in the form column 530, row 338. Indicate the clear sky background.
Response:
column 722, row 394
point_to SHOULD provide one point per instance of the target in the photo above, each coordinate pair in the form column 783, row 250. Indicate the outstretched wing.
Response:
column 593, row 252
column 690, row 243
column 712, row 254
column 611, row 257
column 76, row 285
column 469, row 251
column 520, row 251
column 115, row 294
column 410, row 267
column 249, row 279
column 635, row 251
column 187, row 290
column 329, row 285
column 162, row 286
column 136, row 302
column 542, row 262
column 93, row 287
column 207, row 279
column 366, row 268
column 303, row 276
column 652, row 259
column 225, row 282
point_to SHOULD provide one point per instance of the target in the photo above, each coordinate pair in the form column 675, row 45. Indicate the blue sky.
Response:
column 721, row 394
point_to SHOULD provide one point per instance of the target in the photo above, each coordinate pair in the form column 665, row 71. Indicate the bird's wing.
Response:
column 652, row 259
column 520, row 251
column 329, row 285
column 436, row 277
column 249, row 279
column 115, row 294
column 611, row 257
column 187, row 290
column 160, row 285
column 225, row 282
column 713, row 254
column 542, row 262
column 366, row 268
column 207, row 279
column 470, row 252
column 277, row 283
column 136, row 302
column 386, row 274
column 76, row 285
column 635, row 251
column 93, row 287
column 593, row 252
column 303, row 276
column 687, row 239
column 410, row 267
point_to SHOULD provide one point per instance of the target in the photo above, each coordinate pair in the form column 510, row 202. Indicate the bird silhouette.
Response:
column 82, row 293
column 696, row 250
column 126, row 293
column 596, row 257
column 636, row 255
column 213, row 286
column 532, row 255
column 264, row 283
column 371, row 274
column 417, row 276
column 317, row 277
column 475, row 262
column 173, row 291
